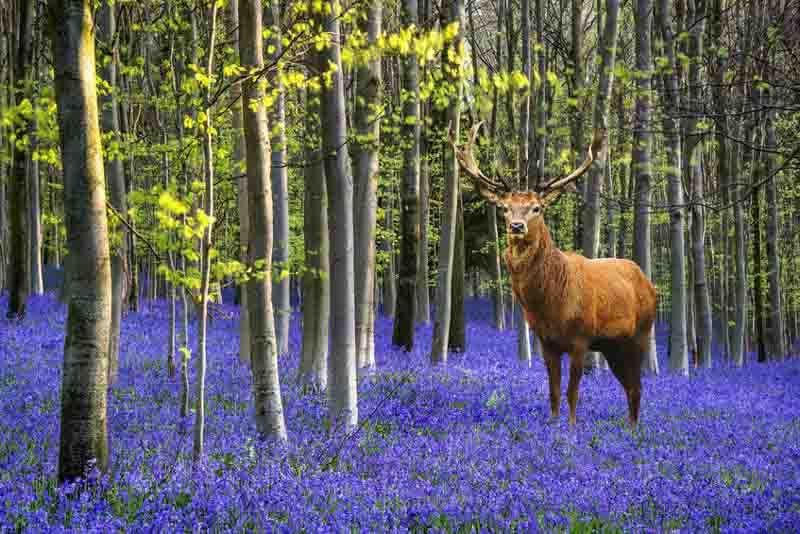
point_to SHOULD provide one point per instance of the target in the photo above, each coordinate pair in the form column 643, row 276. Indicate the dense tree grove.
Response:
column 298, row 159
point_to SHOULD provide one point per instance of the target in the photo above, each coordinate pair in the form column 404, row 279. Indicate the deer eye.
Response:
column 536, row 210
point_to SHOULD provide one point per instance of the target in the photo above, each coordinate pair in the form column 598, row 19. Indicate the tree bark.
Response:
column 263, row 346
column 342, row 376
column 106, row 26
column 205, row 247
column 457, row 341
column 679, row 355
column 591, row 223
column 17, row 190
column 313, row 369
column 642, row 142
column 84, row 436
column 280, row 188
column 409, row 193
column 367, row 124
column 702, row 302
column 242, row 199
column 452, row 12
column 523, row 163
column 776, row 345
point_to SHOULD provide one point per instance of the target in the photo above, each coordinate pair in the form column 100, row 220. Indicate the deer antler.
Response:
column 594, row 149
column 466, row 161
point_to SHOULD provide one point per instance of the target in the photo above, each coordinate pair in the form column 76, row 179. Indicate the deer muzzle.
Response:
column 518, row 228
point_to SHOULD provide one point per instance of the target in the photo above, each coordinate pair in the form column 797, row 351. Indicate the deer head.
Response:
column 523, row 210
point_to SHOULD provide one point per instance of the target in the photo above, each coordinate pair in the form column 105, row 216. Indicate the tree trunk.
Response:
column 523, row 163
column 106, row 26
column 389, row 285
column 498, row 293
column 702, row 302
column 642, row 142
column 205, row 248
column 591, row 223
column 17, row 191
column 423, row 312
column 263, row 347
column 757, row 172
column 720, row 101
column 409, row 193
column 342, row 377
column 242, row 199
column 577, row 135
column 740, row 251
column 453, row 12
column 457, row 341
column 35, row 216
column 84, row 437
column 367, row 124
column 313, row 369
column 280, row 187
column 776, row 345
column 679, row 356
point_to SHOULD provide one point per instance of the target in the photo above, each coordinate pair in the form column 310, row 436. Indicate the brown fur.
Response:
column 575, row 304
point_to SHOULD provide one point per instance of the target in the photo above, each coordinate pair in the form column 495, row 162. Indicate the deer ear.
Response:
column 548, row 197
column 491, row 196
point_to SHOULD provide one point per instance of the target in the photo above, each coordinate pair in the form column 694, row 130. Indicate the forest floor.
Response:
column 470, row 446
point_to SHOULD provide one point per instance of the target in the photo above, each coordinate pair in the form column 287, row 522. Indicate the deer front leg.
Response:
column 575, row 374
column 553, row 362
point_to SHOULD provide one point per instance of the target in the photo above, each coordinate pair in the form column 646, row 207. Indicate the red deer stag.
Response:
column 574, row 304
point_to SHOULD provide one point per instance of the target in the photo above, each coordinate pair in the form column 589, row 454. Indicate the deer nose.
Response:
column 517, row 228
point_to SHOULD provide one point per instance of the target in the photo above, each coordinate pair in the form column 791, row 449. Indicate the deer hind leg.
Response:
column 575, row 374
column 633, row 385
column 553, row 363
column 627, row 367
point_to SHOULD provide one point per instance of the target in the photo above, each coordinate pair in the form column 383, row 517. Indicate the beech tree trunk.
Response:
column 342, row 376
column 367, row 124
column 679, row 355
column 642, row 170
column 19, row 265
column 409, row 193
column 84, row 435
column 242, row 199
column 313, row 369
column 591, row 223
column 280, row 188
column 263, row 346
column 776, row 345
column 106, row 26
column 702, row 302
column 205, row 248
column 523, row 165
column 453, row 11
column 457, row 341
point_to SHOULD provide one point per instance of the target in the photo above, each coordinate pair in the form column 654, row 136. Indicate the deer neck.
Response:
column 538, row 268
